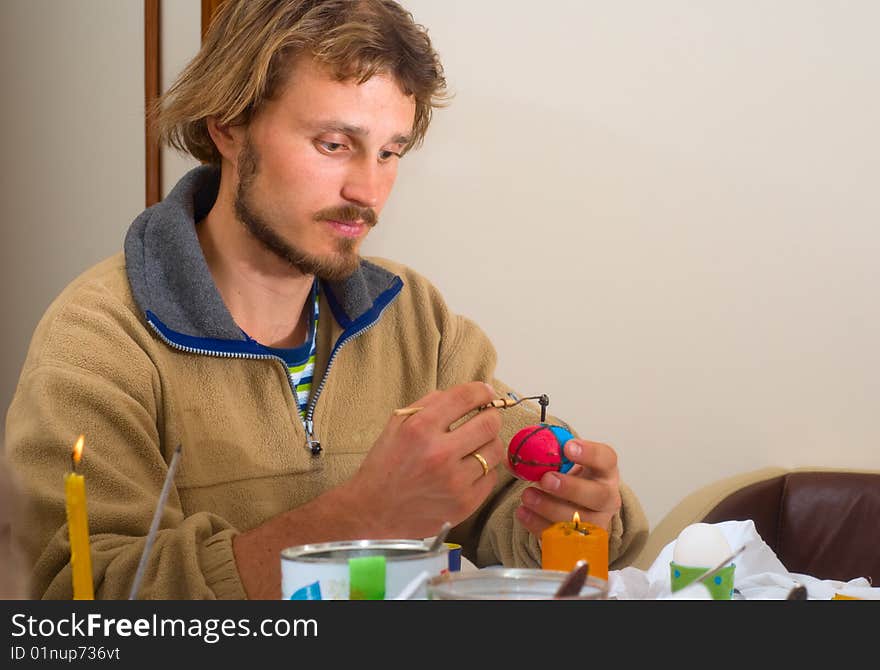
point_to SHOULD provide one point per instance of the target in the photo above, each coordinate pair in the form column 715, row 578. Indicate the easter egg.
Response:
column 701, row 544
column 538, row 449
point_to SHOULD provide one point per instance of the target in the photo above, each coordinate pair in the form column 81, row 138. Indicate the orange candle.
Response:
column 78, row 528
column 565, row 543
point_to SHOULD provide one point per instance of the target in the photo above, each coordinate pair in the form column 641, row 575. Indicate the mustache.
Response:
column 348, row 213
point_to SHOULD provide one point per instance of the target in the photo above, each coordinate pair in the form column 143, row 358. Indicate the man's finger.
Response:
column 479, row 430
column 599, row 460
column 532, row 522
column 484, row 459
column 442, row 409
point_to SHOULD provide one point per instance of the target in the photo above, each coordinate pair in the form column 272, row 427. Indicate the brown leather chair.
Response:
column 821, row 522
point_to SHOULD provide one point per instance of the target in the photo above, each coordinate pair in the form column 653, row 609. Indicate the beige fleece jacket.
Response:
column 95, row 367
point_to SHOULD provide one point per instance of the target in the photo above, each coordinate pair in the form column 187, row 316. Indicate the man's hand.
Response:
column 420, row 474
column 417, row 476
column 590, row 488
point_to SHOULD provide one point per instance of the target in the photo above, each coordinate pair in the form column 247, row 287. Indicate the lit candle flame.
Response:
column 575, row 519
column 78, row 450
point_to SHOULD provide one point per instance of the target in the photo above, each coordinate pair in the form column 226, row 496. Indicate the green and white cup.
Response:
column 720, row 586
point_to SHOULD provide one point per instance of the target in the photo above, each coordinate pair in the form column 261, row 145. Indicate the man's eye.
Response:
column 331, row 147
column 386, row 155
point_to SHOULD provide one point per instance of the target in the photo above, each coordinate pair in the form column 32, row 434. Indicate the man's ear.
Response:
column 228, row 139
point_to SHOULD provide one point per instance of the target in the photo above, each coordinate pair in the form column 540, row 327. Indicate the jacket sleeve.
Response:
column 88, row 372
column 492, row 533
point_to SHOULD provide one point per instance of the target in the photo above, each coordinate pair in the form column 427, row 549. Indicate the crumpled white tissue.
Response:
column 759, row 574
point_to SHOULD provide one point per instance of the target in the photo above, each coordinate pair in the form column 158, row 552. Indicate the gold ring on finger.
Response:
column 483, row 463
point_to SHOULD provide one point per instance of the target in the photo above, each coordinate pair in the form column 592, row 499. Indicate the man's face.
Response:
column 317, row 164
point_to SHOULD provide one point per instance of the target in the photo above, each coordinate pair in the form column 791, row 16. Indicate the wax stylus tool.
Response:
column 499, row 403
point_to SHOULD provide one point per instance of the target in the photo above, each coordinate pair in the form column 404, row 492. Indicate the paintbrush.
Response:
column 154, row 526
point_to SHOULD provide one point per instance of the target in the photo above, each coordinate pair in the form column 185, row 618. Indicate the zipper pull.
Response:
column 313, row 445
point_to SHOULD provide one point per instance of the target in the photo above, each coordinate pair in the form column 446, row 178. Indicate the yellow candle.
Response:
column 78, row 529
column 565, row 543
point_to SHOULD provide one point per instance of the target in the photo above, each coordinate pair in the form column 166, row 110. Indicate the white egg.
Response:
column 701, row 545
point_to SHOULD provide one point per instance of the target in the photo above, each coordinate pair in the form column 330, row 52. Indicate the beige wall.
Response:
column 664, row 214
column 73, row 151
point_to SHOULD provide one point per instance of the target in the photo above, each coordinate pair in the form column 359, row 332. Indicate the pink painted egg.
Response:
column 538, row 449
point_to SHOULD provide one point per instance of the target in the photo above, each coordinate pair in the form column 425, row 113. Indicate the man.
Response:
column 242, row 324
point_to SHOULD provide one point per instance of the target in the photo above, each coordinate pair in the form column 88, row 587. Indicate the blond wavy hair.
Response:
column 246, row 55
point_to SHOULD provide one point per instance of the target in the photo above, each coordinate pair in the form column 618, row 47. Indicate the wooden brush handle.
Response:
column 498, row 403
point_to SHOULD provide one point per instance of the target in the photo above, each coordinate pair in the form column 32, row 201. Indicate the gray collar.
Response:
column 170, row 278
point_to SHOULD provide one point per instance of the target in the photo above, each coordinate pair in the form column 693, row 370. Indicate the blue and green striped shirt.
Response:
column 300, row 360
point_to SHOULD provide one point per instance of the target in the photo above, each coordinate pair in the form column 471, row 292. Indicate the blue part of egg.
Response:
column 563, row 435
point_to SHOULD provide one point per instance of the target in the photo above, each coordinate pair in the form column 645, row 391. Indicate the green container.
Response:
column 720, row 586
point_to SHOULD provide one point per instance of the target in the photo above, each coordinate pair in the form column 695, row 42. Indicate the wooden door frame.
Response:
column 153, row 89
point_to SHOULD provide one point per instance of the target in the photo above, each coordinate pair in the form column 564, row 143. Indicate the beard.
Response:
column 331, row 267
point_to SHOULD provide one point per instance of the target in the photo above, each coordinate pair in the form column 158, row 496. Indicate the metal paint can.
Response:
column 348, row 570
column 496, row 583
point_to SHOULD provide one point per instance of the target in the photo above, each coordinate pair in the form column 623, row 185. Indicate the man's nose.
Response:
column 364, row 184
